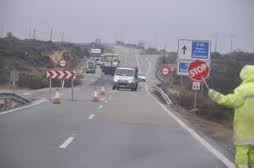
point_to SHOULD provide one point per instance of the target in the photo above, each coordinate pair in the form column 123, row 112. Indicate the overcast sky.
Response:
column 158, row 22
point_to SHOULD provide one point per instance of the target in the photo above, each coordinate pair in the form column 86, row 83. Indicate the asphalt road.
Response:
column 123, row 130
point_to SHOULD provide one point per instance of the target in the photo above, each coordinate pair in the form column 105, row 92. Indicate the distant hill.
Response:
column 32, row 58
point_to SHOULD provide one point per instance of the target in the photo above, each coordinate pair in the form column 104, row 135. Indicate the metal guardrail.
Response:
column 163, row 95
column 14, row 97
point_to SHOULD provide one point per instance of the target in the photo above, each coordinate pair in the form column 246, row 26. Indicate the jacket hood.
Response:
column 247, row 74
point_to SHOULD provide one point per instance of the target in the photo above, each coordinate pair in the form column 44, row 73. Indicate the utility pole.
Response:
column 215, row 36
column 215, row 44
column 51, row 31
column 62, row 37
column 30, row 34
column 231, row 37
column 2, row 31
column 34, row 34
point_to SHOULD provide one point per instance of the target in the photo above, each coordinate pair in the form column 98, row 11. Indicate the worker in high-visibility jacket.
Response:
column 242, row 100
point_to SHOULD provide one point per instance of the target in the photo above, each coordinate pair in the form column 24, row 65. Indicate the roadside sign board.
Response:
column 195, row 85
column 182, row 67
column 198, row 70
column 200, row 50
column 191, row 50
column 62, row 63
column 51, row 74
column 194, row 49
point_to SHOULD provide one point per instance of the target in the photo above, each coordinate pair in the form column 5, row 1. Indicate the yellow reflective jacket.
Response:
column 242, row 100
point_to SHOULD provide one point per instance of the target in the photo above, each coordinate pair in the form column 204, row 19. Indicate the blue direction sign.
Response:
column 182, row 67
column 200, row 50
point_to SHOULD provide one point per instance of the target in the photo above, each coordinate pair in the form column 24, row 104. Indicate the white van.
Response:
column 125, row 78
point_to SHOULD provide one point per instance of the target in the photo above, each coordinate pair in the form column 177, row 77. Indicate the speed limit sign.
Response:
column 165, row 71
column 62, row 63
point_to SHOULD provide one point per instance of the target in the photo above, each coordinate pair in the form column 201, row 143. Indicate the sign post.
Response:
column 172, row 69
column 72, row 89
column 50, row 86
column 194, row 61
column 14, row 77
column 195, row 88
column 198, row 71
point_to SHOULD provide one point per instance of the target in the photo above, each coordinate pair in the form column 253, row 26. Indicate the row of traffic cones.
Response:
column 95, row 97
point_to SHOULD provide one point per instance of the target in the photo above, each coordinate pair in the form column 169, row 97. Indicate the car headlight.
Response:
column 115, row 80
column 130, row 81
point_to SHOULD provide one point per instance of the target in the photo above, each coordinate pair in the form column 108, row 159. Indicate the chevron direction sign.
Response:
column 56, row 74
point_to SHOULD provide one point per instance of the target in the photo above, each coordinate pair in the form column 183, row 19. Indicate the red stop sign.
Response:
column 198, row 70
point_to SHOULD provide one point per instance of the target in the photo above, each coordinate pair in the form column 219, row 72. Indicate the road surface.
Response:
column 123, row 130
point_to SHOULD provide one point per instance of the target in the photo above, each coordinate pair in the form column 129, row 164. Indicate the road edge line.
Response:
column 201, row 140
column 193, row 133
column 24, row 107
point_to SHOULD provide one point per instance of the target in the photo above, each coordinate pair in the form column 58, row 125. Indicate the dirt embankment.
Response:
column 32, row 59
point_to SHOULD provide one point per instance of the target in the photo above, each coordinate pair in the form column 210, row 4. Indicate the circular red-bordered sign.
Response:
column 62, row 63
column 165, row 71
column 198, row 70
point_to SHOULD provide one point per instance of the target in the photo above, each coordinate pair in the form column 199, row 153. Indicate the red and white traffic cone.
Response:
column 95, row 97
column 56, row 98
column 102, row 92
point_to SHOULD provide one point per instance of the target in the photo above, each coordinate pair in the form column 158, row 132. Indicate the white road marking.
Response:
column 194, row 134
column 26, row 93
column 91, row 117
column 100, row 106
column 24, row 107
column 67, row 142
column 105, row 101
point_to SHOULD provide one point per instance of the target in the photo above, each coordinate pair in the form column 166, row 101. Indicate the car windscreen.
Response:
column 124, row 72
column 90, row 64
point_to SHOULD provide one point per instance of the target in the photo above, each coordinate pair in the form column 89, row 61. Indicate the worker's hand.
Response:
column 214, row 95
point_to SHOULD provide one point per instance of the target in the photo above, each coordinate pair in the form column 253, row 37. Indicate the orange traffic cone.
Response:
column 56, row 98
column 95, row 97
column 102, row 92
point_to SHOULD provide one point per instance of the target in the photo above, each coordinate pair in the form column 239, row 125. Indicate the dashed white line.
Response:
column 91, row 117
column 100, row 106
column 67, row 142
column 105, row 101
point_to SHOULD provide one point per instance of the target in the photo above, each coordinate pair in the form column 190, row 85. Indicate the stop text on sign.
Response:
column 198, row 70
